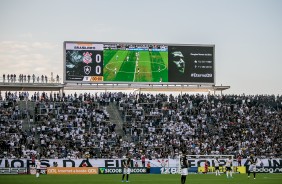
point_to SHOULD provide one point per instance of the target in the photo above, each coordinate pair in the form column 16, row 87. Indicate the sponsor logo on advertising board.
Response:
column 119, row 170
column 72, row 170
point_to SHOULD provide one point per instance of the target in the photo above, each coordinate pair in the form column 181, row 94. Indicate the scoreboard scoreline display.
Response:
column 108, row 62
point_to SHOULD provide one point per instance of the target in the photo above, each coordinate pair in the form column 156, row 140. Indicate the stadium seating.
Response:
column 159, row 126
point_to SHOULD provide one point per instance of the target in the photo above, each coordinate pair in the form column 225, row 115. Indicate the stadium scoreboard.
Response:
column 108, row 62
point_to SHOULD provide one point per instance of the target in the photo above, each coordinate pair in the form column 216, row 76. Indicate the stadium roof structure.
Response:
column 112, row 86
column 146, row 87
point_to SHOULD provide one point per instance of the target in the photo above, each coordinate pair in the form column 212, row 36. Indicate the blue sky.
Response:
column 247, row 34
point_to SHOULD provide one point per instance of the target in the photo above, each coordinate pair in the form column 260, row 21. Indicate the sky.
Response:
column 247, row 34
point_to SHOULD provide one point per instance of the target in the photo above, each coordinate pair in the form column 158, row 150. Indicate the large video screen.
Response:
column 138, row 62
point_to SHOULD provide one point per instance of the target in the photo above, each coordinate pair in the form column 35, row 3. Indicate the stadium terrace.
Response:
column 110, row 125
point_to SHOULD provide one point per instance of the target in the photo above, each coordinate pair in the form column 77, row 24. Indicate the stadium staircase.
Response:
column 116, row 118
column 29, row 107
column 29, row 120
column 212, row 129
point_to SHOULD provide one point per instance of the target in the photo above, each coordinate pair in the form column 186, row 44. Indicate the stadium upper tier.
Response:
column 109, row 125
column 12, row 82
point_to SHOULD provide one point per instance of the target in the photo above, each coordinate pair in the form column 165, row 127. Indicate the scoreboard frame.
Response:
column 204, row 54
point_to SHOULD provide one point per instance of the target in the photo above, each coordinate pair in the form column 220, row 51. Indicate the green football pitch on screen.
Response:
column 135, row 66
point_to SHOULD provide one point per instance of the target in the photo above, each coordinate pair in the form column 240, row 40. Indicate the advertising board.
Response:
column 119, row 170
column 72, row 170
column 9, row 170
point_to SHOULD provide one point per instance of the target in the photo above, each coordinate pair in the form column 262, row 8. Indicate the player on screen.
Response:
column 252, row 167
column 228, row 167
column 216, row 165
column 137, row 55
column 38, row 166
column 126, row 168
column 127, row 58
column 116, row 57
column 178, row 59
column 184, row 168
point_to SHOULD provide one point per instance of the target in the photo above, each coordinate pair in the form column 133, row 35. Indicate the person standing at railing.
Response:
column 57, row 78
column 33, row 78
column 3, row 77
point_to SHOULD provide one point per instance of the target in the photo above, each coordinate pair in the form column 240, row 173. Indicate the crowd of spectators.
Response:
column 23, row 78
column 14, row 141
column 61, row 126
column 163, row 125
column 75, row 126
column 155, row 126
